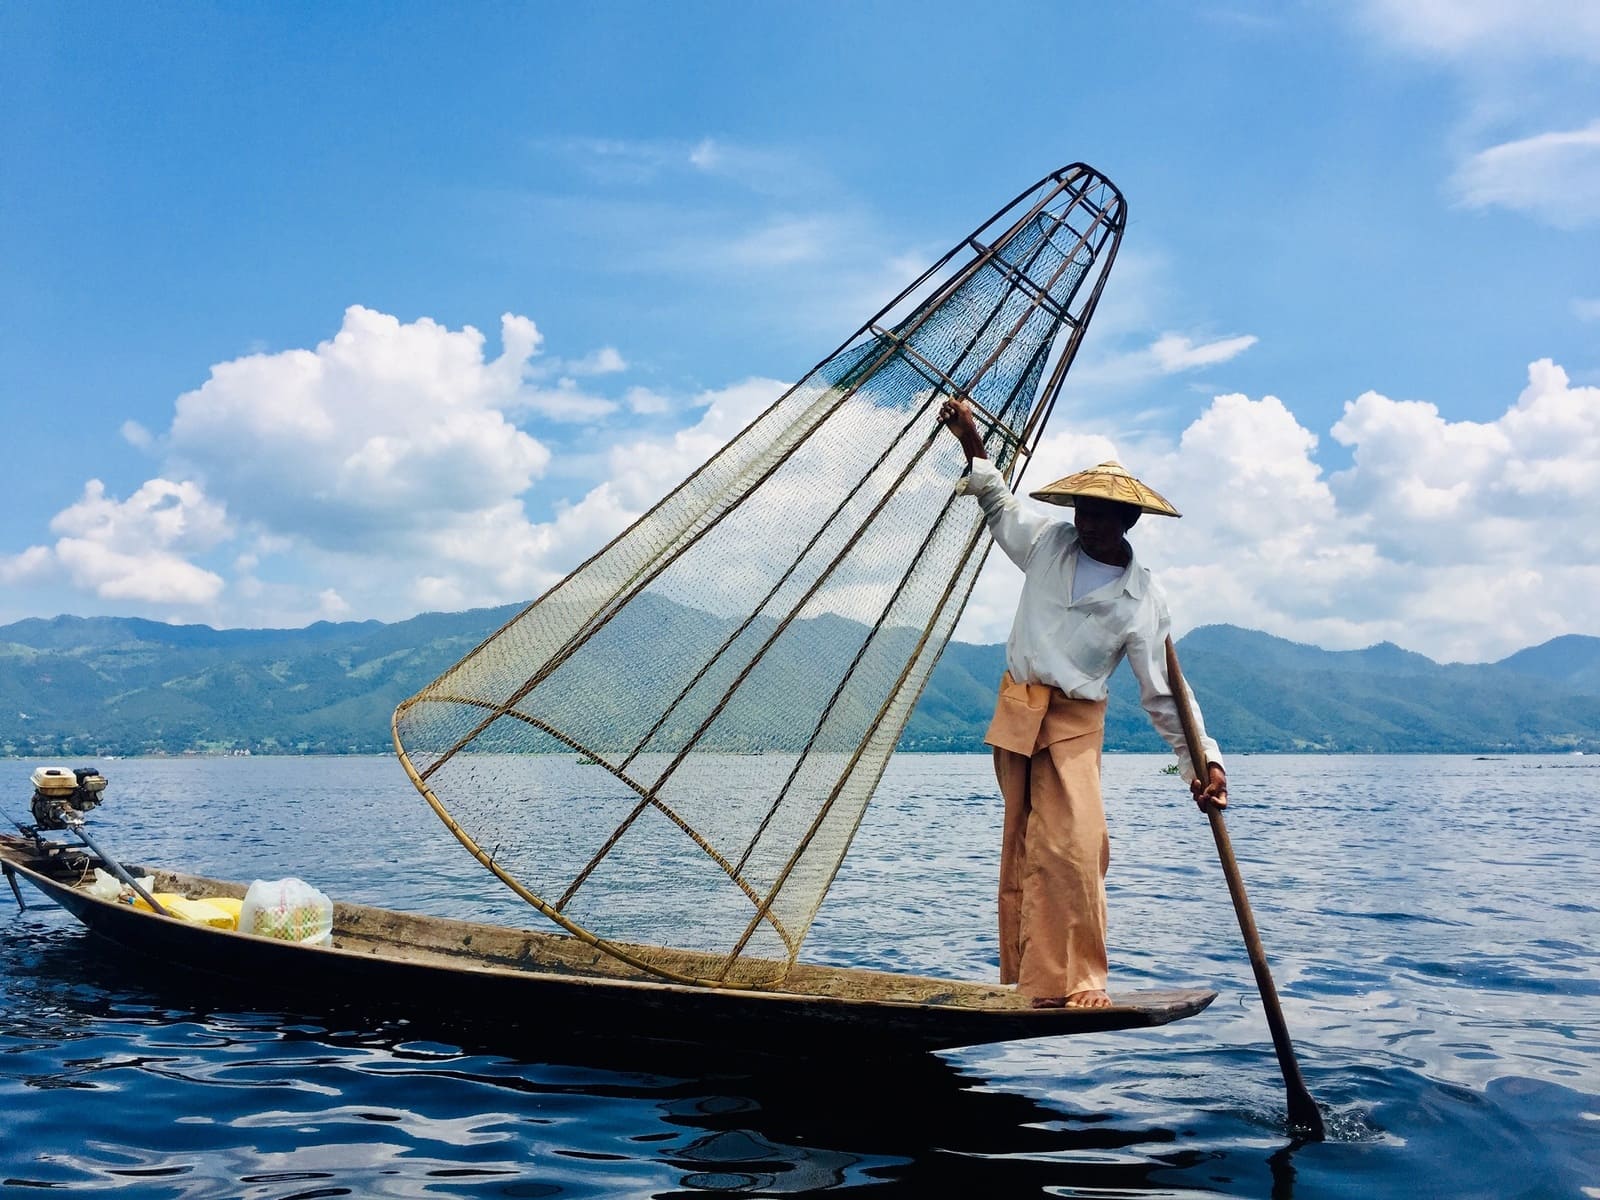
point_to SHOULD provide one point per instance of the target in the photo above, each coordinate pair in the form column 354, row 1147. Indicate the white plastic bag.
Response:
column 288, row 909
column 103, row 885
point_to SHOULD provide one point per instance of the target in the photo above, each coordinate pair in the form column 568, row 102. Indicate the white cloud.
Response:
column 161, row 515
column 495, row 555
column 381, row 433
column 1535, row 465
column 771, row 170
column 1173, row 352
column 1519, row 66
column 1586, row 309
column 566, row 401
column 135, row 549
column 780, row 242
column 1463, row 540
column 156, row 577
column 615, row 160
column 1169, row 354
column 348, row 465
column 1552, row 176
column 32, row 564
column 1489, row 28
column 644, row 470
column 812, row 264
column 662, row 161
column 380, row 474
column 136, row 435
column 332, row 605
column 704, row 155
column 783, row 240
column 375, row 475
column 605, row 361
column 645, row 402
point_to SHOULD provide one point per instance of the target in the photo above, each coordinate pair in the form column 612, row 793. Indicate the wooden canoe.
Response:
column 434, row 965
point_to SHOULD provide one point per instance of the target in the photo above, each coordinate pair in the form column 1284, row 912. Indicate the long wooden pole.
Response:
column 1303, row 1112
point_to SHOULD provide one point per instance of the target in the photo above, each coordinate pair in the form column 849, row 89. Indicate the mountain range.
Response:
column 79, row 687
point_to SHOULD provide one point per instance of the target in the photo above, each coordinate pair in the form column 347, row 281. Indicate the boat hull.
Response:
column 541, row 984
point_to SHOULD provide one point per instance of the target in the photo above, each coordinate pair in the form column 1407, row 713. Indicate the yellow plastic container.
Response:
column 200, row 912
column 164, row 899
column 204, row 912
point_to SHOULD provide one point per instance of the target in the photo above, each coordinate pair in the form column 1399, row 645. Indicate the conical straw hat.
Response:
column 1108, row 481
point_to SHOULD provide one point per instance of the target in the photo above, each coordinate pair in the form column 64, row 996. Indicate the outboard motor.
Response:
column 61, row 795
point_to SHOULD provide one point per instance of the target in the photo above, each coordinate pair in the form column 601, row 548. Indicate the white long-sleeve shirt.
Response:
column 1075, row 645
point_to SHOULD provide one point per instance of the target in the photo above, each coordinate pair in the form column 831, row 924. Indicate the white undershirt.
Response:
column 1092, row 575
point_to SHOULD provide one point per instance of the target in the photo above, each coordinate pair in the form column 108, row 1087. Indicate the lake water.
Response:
column 1431, row 923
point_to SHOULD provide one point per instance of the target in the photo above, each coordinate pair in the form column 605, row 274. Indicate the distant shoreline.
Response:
column 126, row 687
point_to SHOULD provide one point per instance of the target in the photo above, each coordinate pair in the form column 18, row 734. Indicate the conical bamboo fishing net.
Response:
column 673, row 747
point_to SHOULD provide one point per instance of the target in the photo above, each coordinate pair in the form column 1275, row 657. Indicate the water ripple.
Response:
column 1435, row 953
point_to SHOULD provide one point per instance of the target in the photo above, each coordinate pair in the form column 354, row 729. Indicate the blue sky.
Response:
column 1354, row 329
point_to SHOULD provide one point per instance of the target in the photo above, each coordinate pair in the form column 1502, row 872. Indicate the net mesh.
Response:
column 673, row 747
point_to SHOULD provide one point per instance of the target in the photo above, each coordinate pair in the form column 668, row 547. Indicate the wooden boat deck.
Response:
column 442, row 964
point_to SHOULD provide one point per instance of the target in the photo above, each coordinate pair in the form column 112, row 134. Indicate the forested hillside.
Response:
column 84, row 686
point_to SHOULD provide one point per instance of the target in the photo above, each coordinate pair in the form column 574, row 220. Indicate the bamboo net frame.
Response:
column 738, row 664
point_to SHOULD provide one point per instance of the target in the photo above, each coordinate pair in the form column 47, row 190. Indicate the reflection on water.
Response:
column 1435, row 951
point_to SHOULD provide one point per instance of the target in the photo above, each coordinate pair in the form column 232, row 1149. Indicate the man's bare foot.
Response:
column 1047, row 1002
column 1093, row 998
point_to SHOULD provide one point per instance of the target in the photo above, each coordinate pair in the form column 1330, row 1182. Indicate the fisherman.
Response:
column 1086, row 604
